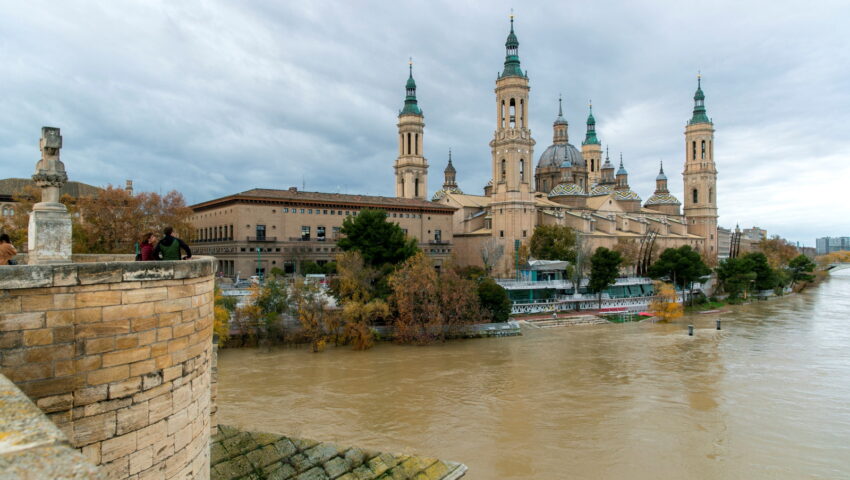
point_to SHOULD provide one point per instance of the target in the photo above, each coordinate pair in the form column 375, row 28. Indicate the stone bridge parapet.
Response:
column 118, row 355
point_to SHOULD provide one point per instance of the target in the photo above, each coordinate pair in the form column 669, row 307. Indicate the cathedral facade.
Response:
column 579, row 188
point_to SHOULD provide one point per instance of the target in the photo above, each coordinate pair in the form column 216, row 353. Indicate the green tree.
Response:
column 735, row 276
column 604, row 269
column 682, row 266
column 766, row 278
column 553, row 242
column 379, row 241
column 801, row 268
column 494, row 299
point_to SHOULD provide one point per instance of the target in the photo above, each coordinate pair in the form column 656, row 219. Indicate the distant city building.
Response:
column 724, row 243
column 13, row 187
column 832, row 244
column 754, row 234
column 255, row 231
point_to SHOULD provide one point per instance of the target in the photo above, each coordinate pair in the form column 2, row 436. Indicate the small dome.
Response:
column 661, row 176
column 559, row 153
column 441, row 193
column 626, row 195
column 600, row 189
column 566, row 189
column 663, row 199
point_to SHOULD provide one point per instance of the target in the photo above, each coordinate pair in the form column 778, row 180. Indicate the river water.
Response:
column 768, row 397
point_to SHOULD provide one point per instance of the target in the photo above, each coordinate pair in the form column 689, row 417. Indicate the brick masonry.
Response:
column 118, row 355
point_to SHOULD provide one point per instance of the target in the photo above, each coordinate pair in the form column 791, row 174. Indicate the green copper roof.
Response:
column 410, row 104
column 699, row 106
column 512, row 68
column 590, row 138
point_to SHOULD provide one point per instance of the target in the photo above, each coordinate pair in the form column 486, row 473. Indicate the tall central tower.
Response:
column 700, row 176
column 512, row 203
column 411, row 168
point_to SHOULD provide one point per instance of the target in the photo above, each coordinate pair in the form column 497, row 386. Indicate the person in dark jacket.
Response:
column 148, row 247
column 169, row 247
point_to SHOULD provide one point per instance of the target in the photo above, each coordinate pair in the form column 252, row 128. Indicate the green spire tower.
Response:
column 591, row 150
column 512, row 68
column 700, row 176
column 411, row 168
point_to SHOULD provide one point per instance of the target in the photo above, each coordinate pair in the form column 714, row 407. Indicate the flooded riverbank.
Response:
column 766, row 397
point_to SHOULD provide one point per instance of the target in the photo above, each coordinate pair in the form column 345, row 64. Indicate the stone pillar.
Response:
column 49, row 236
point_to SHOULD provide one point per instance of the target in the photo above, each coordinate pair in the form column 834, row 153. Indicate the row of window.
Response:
column 320, row 211
column 8, row 211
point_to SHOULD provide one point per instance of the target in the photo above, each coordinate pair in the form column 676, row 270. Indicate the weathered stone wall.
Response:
column 249, row 455
column 118, row 355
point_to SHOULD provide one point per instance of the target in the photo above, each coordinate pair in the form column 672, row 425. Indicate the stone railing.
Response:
column 117, row 354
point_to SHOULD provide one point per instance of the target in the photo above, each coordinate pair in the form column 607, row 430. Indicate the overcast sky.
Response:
column 216, row 97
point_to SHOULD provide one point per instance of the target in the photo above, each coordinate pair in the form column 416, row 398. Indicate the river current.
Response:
column 767, row 397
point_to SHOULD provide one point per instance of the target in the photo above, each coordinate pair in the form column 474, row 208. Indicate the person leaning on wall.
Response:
column 7, row 250
column 170, row 246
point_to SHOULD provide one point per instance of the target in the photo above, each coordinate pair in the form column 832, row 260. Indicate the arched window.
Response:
column 702, row 152
column 521, row 170
column 416, row 187
column 694, row 150
column 503, row 114
column 401, row 187
column 408, row 144
column 522, row 113
column 710, row 155
column 401, row 144
column 710, row 195
column 696, row 196
column 416, row 144
column 504, row 169
column 512, row 112
column 545, row 185
column 591, row 164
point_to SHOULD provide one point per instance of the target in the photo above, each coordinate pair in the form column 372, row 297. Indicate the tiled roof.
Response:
column 340, row 198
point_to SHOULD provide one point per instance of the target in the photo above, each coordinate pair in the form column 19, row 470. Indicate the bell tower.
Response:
column 700, row 175
column 591, row 151
column 512, row 203
column 411, row 168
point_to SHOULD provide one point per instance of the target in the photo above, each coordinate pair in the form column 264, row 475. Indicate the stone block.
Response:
column 132, row 418
column 145, row 368
column 63, row 368
column 99, row 298
column 64, row 301
column 315, row 473
column 108, row 375
column 26, row 276
column 141, row 460
column 171, row 373
column 29, row 372
column 151, row 380
column 52, row 386
column 117, row 447
column 57, row 318
column 63, row 334
column 87, row 363
column 105, row 406
column 99, row 272
column 142, row 295
column 181, row 291
column 99, row 345
column 65, row 275
column 36, row 303
column 124, row 342
column 148, row 271
column 336, row 466
column 41, row 336
column 126, row 356
column 115, row 327
column 9, row 340
column 173, row 305
column 85, row 396
column 146, row 323
column 151, row 434
column 285, row 447
column 321, row 453
column 125, row 388
column 183, row 329
column 49, row 353
column 160, row 407
column 88, row 315
column 9, row 304
column 169, row 319
column 56, row 403
column 130, row 311
column 233, row 468
column 92, row 453
column 21, row 321
column 94, row 429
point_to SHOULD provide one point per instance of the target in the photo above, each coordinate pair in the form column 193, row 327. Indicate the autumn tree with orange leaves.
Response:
column 665, row 304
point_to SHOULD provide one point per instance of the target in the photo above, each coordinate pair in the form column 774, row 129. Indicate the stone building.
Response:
column 257, row 230
column 576, row 187
column 12, row 187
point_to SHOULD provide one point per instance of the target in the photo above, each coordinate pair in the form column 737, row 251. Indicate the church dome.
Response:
column 626, row 195
column 565, row 190
column 601, row 189
column 559, row 153
column 441, row 193
column 663, row 199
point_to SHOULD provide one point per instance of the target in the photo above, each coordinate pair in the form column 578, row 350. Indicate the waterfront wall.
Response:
column 240, row 455
column 118, row 355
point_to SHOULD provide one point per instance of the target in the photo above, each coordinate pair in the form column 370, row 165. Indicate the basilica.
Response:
column 577, row 187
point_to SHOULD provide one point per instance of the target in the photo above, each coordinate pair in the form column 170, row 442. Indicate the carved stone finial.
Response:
column 50, row 173
column 49, row 235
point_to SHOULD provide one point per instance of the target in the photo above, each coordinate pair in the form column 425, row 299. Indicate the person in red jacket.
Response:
column 148, row 251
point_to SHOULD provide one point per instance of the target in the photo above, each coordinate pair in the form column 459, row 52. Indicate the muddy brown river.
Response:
column 768, row 397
